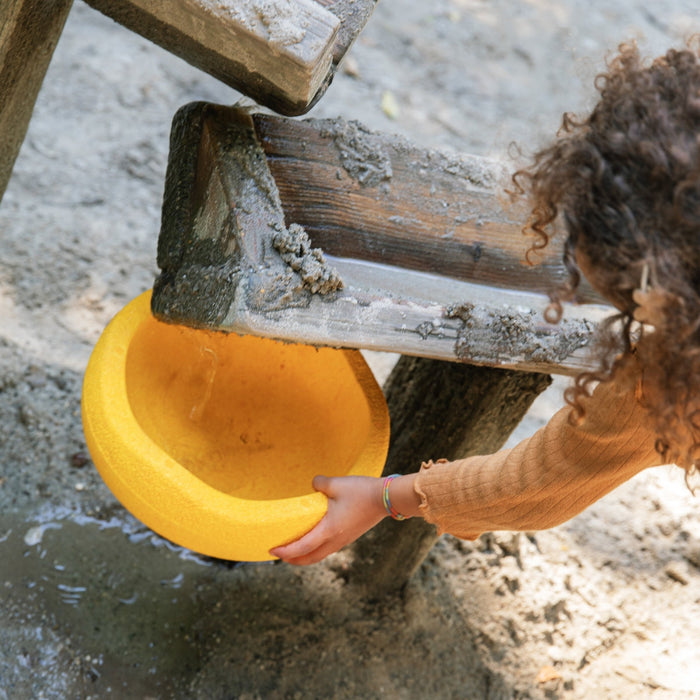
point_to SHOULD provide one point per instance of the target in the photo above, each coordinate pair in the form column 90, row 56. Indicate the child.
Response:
column 624, row 183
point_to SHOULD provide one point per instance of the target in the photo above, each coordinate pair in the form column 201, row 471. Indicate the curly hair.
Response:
column 625, row 183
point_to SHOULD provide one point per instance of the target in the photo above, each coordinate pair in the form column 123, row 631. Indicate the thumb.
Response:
column 323, row 484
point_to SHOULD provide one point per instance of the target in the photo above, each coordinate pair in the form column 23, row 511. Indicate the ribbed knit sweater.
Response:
column 547, row 478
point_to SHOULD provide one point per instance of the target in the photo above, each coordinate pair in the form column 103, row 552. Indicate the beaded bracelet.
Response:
column 387, row 503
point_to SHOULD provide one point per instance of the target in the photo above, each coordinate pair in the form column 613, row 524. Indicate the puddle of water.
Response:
column 95, row 609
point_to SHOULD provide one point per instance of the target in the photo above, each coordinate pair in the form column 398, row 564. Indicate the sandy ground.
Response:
column 94, row 605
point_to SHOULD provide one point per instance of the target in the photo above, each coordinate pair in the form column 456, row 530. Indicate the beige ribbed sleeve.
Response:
column 546, row 479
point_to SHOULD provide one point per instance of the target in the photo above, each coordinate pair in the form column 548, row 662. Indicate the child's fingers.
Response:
column 313, row 539
column 311, row 558
column 306, row 544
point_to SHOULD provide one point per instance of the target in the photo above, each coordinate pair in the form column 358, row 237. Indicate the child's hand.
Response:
column 354, row 506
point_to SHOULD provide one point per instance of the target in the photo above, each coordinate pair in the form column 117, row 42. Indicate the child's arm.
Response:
column 546, row 479
column 543, row 481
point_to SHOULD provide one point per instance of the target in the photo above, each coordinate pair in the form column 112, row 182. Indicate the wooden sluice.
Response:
column 322, row 232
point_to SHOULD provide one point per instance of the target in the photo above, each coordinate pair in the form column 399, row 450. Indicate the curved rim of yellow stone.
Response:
column 165, row 495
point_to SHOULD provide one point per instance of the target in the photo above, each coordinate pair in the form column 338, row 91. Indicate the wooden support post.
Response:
column 282, row 53
column 438, row 409
column 29, row 32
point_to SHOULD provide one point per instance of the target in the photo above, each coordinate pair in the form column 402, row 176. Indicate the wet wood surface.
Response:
column 429, row 254
column 378, row 198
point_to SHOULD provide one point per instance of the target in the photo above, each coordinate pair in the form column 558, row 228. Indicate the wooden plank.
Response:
column 279, row 52
column 29, row 32
column 437, row 409
column 376, row 197
column 233, row 189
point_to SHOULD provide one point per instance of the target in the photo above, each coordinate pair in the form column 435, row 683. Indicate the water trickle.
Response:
column 209, row 363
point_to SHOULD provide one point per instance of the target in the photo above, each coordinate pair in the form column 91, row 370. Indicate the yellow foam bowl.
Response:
column 212, row 439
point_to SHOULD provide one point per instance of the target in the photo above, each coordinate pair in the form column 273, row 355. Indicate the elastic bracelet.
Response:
column 387, row 502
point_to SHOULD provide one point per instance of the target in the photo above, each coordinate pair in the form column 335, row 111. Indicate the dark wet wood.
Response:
column 376, row 197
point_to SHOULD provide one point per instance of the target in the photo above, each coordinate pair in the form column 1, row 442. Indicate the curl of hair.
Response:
column 625, row 183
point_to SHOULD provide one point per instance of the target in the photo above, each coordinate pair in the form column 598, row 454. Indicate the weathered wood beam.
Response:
column 438, row 409
column 378, row 198
column 29, row 32
column 282, row 53
column 419, row 253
